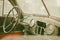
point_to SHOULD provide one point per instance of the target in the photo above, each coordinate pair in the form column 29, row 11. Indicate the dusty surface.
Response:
column 25, row 37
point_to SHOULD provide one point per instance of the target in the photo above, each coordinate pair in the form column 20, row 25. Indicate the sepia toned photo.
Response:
column 29, row 19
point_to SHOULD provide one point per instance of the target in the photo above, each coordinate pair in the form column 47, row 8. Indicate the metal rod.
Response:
column 46, row 8
column 3, row 9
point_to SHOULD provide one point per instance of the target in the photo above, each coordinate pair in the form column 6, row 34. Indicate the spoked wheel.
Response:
column 8, row 26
